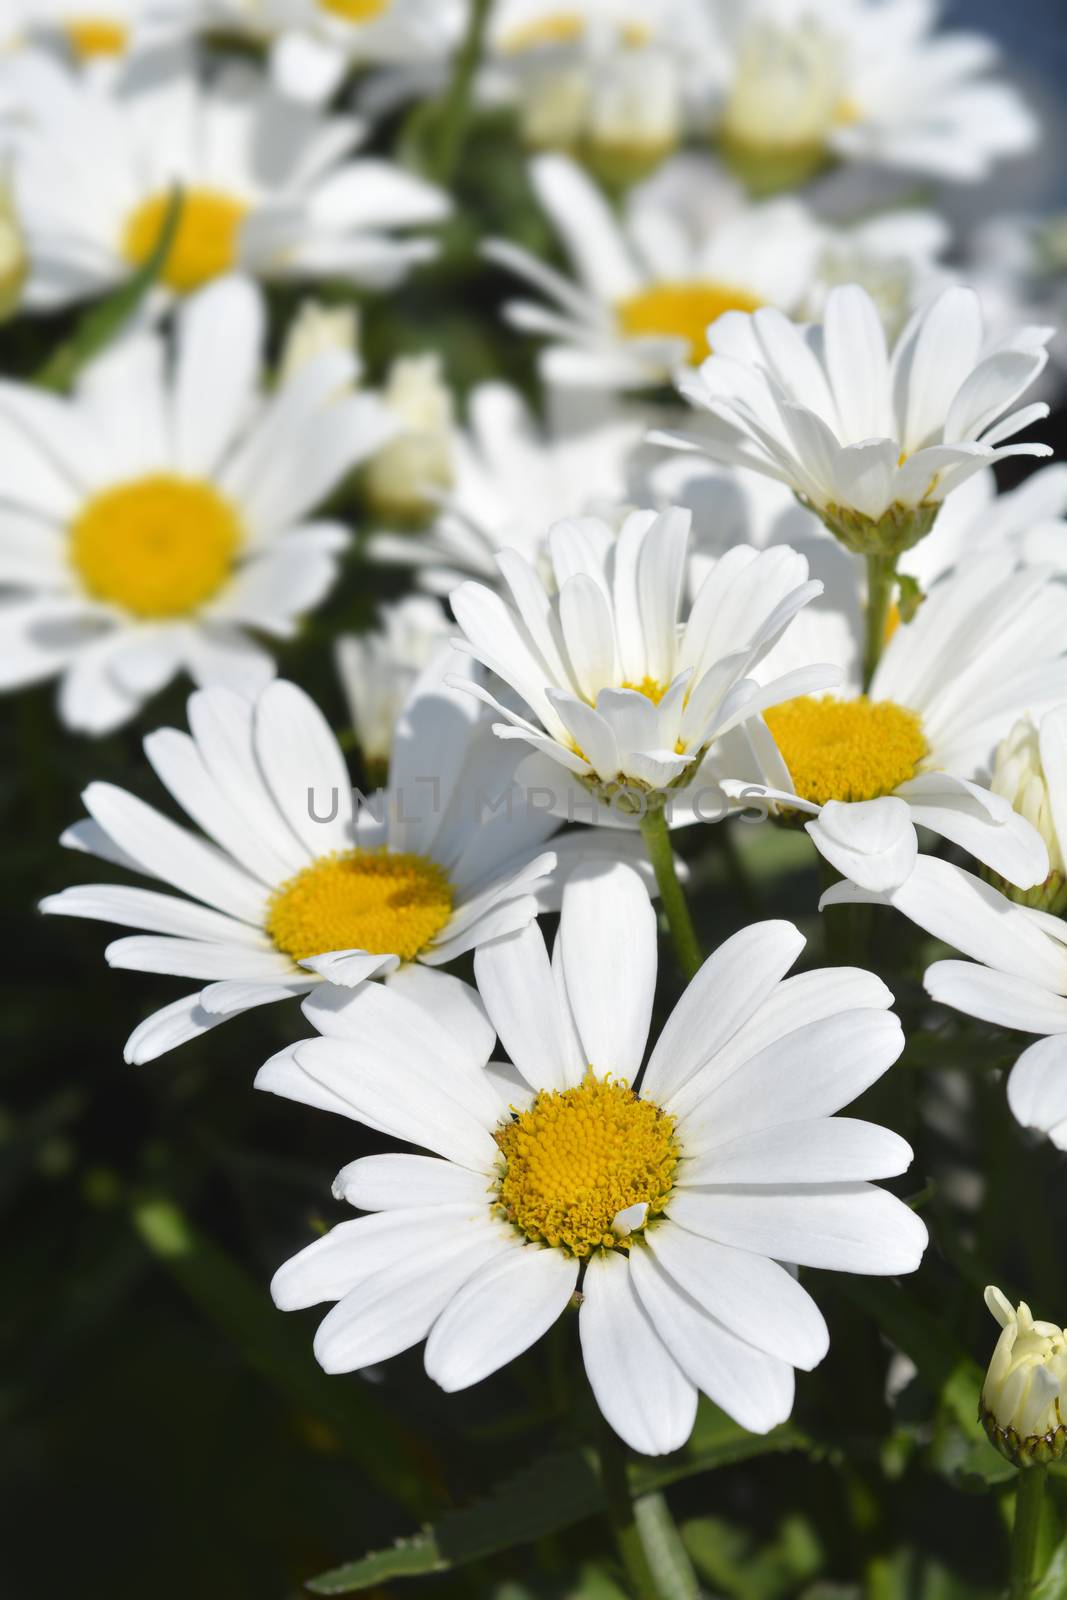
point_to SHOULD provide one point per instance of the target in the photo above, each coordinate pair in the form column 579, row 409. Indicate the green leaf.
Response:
column 554, row 1492
column 100, row 325
column 348, row 1414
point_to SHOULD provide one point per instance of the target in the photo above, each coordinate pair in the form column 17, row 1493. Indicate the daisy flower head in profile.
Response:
column 873, row 441
column 603, row 80
column 800, row 86
column 268, row 186
column 668, row 1195
column 618, row 689
column 293, row 883
column 917, row 745
column 94, row 34
column 510, row 478
column 162, row 514
column 1016, row 977
column 647, row 283
column 379, row 669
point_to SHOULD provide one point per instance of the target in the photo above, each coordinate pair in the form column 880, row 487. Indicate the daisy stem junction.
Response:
column 881, row 580
column 657, row 837
column 455, row 114
column 1029, row 1492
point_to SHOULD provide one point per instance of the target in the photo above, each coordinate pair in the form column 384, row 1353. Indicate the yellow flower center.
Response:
column 578, row 1157
column 361, row 900
column 159, row 546
column 683, row 311
column 847, row 749
column 96, row 36
column 205, row 244
column 354, row 10
column 651, row 688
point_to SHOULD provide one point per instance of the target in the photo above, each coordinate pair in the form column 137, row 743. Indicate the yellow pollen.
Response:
column 361, row 900
column 847, row 749
column 649, row 687
column 354, row 10
column 205, row 245
column 96, row 36
column 578, row 1157
column 683, row 311
column 158, row 546
column 561, row 27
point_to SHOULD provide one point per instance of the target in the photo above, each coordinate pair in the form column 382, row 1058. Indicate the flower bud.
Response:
column 785, row 99
column 1030, row 772
column 14, row 258
column 377, row 672
column 635, row 115
column 1024, row 1397
column 317, row 328
column 401, row 481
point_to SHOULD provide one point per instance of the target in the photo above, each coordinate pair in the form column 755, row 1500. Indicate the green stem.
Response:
column 1029, row 1489
column 622, row 1515
column 667, row 1557
column 657, row 837
column 455, row 114
column 881, row 580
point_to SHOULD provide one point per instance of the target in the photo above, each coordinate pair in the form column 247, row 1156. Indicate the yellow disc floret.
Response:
column 355, row 10
column 90, row 37
column 651, row 688
column 205, row 244
column 578, row 1157
column 158, row 546
column 682, row 311
column 361, row 900
column 847, row 749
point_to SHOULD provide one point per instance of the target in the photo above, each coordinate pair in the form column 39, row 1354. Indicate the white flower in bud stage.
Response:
column 1030, row 772
column 403, row 481
column 14, row 257
column 669, row 1194
column 871, row 440
column 803, row 84
column 626, row 695
column 1024, row 1397
column 378, row 670
column 317, row 327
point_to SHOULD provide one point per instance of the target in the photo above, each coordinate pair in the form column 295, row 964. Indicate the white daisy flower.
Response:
column 163, row 510
column 511, row 478
column 873, row 442
column 1017, row 977
column 626, row 695
column 668, row 1197
column 293, row 883
column 268, row 186
column 1030, row 772
column 801, row 85
column 686, row 248
column 315, row 43
column 378, row 671
column 1024, row 1396
column 917, row 746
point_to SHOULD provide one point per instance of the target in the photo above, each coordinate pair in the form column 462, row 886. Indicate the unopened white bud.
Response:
column 1024, row 1397
column 1030, row 772
column 317, row 328
column 786, row 97
column 554, row 106
column 14, row 257
column 402, row 481
column 635, row 115
column 377, row 672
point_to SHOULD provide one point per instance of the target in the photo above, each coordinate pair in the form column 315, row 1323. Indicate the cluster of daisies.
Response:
column 746, row 551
